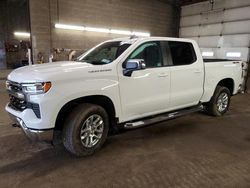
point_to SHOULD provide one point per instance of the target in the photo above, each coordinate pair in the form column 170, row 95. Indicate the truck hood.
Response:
column 49, row 71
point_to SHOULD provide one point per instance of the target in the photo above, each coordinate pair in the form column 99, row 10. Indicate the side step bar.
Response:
column 163, row 117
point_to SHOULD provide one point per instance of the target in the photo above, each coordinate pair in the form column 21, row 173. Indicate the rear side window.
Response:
column 182, row 53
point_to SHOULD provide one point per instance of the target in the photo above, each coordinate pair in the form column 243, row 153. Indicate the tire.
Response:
column 220, row 102
column 78, row 129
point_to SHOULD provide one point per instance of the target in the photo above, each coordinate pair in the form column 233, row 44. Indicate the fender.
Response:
column 109, row 89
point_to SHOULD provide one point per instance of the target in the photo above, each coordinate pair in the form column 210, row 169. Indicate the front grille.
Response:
column 18, row 101
column 14, row 87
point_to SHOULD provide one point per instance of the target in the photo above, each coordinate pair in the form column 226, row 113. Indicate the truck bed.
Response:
column 215, row 70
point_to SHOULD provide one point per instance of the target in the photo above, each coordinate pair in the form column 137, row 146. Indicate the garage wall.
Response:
column 221, row 28
column 14, row 16
column 2, row 36
column 159, row 17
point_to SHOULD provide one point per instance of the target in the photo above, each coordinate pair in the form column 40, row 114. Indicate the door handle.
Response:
column 197, row 71
column 163, row 75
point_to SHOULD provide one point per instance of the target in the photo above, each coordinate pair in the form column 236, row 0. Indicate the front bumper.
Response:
column 45, row 135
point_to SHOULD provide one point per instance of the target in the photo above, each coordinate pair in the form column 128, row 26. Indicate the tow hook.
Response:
column 15, row 125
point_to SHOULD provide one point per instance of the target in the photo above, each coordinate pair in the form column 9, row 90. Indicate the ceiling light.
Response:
column 207, row 54
column 101, row 30
column 70, row 27
column 22, row 34
column 124, row 32
column 233, row 54
column 141, row 34
column 120, row 32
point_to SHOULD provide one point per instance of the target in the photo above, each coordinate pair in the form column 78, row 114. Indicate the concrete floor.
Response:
column 193, row 151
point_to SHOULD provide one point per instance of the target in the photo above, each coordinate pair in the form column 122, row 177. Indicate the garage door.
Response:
column 221, row 29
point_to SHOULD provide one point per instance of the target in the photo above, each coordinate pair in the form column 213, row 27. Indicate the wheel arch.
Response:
column 228, row 83
column 101, row 100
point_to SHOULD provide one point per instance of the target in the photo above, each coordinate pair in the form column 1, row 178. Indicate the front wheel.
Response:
column 86, row 129
column 219, row 103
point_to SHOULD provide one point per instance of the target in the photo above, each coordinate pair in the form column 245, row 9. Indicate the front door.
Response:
column 146, row 91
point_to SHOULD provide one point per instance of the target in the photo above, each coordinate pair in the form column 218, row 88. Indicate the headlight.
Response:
column 36, row 88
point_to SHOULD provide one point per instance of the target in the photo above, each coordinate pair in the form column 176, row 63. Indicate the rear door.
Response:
column 187, row 74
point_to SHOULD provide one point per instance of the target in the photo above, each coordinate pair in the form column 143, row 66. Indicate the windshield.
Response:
column 105, row 53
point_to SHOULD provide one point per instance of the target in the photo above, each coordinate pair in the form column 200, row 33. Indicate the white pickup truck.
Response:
column 128, row 82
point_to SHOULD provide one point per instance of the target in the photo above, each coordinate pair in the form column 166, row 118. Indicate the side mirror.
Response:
column 133, row 65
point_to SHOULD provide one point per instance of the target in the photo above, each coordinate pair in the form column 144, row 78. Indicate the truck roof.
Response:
column 135, row 38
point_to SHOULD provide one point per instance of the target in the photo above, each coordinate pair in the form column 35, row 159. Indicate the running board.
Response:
column 163, row 117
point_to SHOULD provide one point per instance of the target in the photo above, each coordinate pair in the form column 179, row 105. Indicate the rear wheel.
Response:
column 86, row 129
column 220, row 101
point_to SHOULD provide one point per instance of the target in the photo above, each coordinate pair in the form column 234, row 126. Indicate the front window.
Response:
column 105, row 53
column 150, row 52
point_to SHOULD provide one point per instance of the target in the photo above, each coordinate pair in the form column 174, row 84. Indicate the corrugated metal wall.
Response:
column 222, row 30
